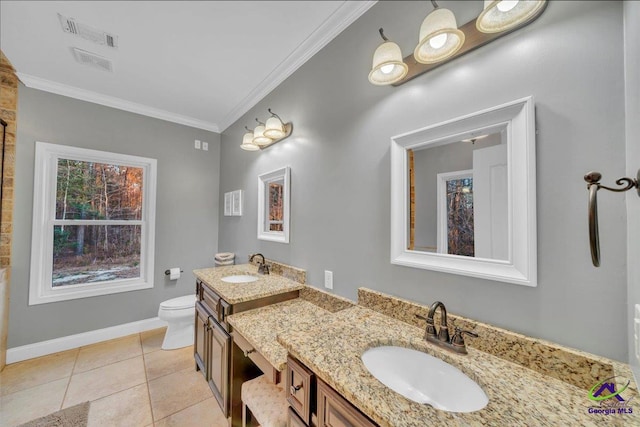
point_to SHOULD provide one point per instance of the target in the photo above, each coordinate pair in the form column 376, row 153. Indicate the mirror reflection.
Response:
column 458, row 197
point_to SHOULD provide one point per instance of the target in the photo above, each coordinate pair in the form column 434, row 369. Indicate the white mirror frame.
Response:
column 263, row 182
column 518, row 118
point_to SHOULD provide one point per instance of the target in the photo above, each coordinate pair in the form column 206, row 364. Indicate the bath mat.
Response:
column 74, row 416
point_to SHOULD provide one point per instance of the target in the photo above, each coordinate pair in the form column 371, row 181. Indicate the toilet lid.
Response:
column 186, row 301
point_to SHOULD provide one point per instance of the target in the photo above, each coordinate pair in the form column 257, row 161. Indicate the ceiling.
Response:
column 199, row 63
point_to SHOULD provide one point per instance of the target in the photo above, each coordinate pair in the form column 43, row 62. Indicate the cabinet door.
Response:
column 293, row 420
column 335, row 411
column 201, row 332
column 219, row 352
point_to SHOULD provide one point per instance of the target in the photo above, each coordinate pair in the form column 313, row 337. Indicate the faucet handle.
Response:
column 431, row 329
column 458, row 337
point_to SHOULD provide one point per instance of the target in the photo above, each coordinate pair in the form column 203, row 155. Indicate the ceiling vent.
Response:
column 88, row 58
column 71, row 26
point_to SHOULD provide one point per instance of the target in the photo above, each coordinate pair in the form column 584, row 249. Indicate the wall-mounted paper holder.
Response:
column 593, row 180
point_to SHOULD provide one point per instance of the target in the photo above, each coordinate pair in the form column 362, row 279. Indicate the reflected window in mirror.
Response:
column 449, row 215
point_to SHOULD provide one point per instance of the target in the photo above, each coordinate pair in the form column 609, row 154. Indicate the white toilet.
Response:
column 179, row 313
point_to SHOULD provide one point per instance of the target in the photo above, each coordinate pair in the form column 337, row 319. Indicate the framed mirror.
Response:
column 273, row 205
column 463, row 195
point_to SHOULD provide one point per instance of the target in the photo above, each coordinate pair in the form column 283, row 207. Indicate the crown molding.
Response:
column 113, row 102
column 344, row 16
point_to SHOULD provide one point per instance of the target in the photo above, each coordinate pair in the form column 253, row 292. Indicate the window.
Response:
column 93, row 223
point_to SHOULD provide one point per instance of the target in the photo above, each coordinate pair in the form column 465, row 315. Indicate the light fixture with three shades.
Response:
column 266, row 134
column 440, row 38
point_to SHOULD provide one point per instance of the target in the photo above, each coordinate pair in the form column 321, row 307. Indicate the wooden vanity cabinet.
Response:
column 336, row 411
column 314, row 403
column 212, row 349
column 224, row 365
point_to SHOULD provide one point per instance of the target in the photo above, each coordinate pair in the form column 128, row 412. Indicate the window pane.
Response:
column 87, row 190
column 276, row 201
column 95, row 253
column 460, row 216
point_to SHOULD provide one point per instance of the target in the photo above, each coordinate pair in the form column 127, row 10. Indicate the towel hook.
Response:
column 593, row 185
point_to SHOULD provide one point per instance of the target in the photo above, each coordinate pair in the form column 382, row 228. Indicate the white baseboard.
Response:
column 29, row 351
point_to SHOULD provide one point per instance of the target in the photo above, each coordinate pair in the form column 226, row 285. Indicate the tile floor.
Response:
column 129, row 381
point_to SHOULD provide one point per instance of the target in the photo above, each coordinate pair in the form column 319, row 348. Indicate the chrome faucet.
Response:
column 441, row 337
column 263, row 268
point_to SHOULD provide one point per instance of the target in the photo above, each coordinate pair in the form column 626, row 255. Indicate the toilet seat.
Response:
column 179, row 303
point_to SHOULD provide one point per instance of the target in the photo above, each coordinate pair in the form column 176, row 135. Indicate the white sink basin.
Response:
column 424, row 379
column 241, row 278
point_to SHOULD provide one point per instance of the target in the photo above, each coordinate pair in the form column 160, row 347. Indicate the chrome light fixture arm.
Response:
column 593, row 185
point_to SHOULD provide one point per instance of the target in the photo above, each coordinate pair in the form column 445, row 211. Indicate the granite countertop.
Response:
column 234, row 293
column 517, row 396
column 261, row 326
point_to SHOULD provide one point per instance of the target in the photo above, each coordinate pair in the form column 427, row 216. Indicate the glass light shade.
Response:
column 258, row 136
column 247, row 142
column 274, row 128
column 499, row 15
column 440, row 37
column 388, row 67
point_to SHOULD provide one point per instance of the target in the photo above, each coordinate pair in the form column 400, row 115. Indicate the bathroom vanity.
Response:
column 221, row 363
column 313, row 342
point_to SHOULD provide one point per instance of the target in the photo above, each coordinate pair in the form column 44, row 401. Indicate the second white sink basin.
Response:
column 424, row 379
column 240, row 278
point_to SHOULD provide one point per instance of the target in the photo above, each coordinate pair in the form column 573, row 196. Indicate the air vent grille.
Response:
column 88, row 58
column 71, row 26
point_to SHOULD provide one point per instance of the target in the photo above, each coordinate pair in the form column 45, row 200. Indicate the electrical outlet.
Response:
column 196, row 145
column 636, row 331
column 205, row 146
column 328, row 279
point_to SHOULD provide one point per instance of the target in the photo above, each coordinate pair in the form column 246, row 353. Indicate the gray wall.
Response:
column 186, row 209
column 632, row 92
column 340, row 166
column 428, row 163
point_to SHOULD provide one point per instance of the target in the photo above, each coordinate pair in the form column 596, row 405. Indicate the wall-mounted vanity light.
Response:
column 440, row 37
column 388, row 67
column 441, row 40
column 266, row 134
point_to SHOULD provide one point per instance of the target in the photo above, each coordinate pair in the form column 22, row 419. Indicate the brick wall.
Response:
column 8, row 113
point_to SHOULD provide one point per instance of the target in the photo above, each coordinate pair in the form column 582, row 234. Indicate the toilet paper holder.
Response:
column 168, row 272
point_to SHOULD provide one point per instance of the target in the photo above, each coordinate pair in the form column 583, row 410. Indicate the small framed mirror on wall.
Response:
column 273, row 205
column 463, row 195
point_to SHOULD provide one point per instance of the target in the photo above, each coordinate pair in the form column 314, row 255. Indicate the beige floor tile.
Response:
column 152, row 340
column 206, row 413
column 128, row 408
column 107, row 352
column 35, row 402
column 177, row 391
column 166, row 362
column 30, row 373
column 101, row 382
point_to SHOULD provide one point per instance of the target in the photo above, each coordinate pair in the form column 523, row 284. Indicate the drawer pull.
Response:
column 295, row 388
column 248, row 352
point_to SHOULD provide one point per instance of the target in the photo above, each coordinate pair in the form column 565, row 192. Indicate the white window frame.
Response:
column 41, row 290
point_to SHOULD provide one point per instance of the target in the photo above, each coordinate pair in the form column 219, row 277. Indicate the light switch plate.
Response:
column 328, row 279
column 196, row 144
column 205, row 146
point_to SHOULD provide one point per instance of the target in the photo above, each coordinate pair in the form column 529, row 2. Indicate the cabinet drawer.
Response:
column 211, row 300
column 335, row 411
column 267, row 368
column 299, row 389
column 293, row 420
